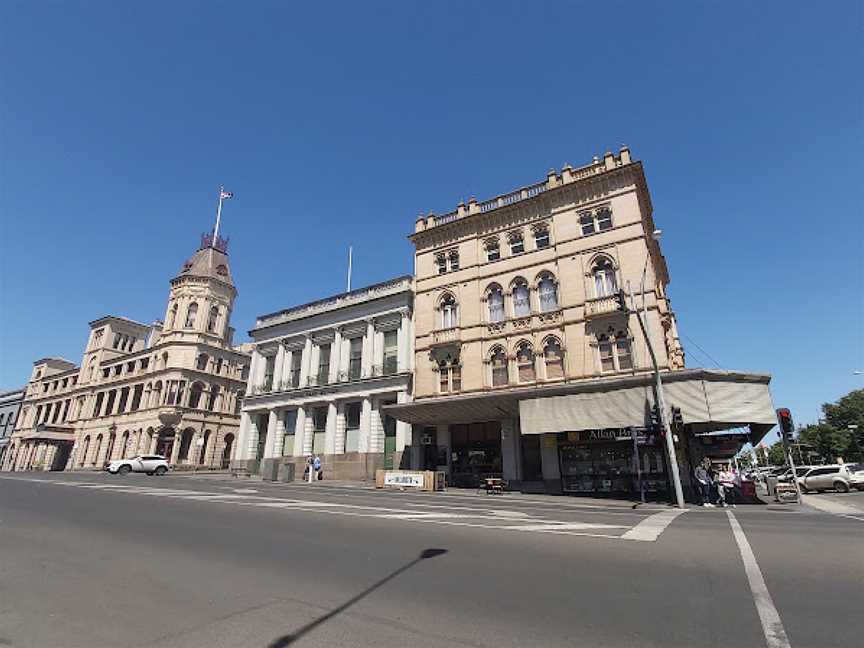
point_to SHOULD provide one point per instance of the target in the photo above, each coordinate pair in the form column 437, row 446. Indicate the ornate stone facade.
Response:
column 172, row 388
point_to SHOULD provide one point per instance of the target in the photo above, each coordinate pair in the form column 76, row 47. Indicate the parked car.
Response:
column 800, row 471
column 840, row 477
column 150, row 464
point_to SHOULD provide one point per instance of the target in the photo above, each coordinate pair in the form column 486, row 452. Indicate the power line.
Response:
column 707, row 355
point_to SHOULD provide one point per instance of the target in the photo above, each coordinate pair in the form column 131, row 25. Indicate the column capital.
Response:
column 405, row 311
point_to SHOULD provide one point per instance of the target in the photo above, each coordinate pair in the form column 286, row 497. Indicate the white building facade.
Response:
column 321, row 374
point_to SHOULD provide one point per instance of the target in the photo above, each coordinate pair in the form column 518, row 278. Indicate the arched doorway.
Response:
column 226, row 452
column 110, row 451
column 96, row 450
column 202, row 457
column 165, row 442
column 185, row 444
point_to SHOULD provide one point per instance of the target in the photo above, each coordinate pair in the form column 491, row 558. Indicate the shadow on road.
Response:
column 287, row 640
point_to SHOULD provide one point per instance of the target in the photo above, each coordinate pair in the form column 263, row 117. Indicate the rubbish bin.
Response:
column 286, row 472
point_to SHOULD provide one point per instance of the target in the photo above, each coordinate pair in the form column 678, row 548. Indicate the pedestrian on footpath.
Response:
column 316, row 466
column 703, row 481
column 726, row 485
column 308, row 469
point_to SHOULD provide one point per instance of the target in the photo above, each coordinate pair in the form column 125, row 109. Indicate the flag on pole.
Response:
column 225, row 194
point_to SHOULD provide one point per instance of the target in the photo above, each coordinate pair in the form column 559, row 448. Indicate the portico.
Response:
column 321, row 374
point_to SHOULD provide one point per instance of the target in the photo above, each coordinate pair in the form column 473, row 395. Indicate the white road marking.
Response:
column 830, row 506
column 852, row 517
column 562, row 526
column 466, row 516
column 649, row 529
column 772, row 626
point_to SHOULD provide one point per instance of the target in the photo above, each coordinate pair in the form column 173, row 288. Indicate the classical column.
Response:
column 376, row 428
column 330, row 429
column 336, row 355
column 308, row 435
column 243, row 436
column 279, row 369
column 404, row 341
column 368, row 349
column 403, row 430
column 253, row 371
column 299, row 432
column 270, row 441
column 365, row 423
column 305, row 362
column 339, row 442
column 279, row 441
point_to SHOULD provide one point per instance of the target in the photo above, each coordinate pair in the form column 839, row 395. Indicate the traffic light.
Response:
column 787, row 427
column 677, row 418
column 655, row 425
column 621, row 301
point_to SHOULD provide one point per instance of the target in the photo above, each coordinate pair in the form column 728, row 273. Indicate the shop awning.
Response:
column 709, row 400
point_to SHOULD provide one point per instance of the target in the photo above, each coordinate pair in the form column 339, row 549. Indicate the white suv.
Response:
column 840, row 477
column 150, row 464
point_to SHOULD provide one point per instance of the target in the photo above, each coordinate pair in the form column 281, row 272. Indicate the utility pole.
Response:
column 661, row 404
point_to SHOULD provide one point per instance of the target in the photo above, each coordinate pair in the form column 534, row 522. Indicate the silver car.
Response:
column 150, row 464
column 840, row 477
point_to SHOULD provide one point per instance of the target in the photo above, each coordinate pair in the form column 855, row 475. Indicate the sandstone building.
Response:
column 171, row 388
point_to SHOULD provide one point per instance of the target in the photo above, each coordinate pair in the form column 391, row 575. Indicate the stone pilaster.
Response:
column 330, row 429
column 270, row 441
column 365, row 426
column 299, row 432
column 339, row 442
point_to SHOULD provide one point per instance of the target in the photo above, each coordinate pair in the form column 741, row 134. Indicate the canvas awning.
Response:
column 709, row 400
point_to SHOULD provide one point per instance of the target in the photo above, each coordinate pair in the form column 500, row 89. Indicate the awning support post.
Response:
column 664, row 420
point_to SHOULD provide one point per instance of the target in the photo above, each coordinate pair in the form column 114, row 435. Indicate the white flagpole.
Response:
column 218, row 216
column 349, row 268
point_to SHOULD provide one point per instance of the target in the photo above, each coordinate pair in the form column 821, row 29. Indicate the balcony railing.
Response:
column 600, row 306
column 445, row 336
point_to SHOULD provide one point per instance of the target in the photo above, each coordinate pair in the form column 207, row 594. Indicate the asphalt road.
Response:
column 93, row 560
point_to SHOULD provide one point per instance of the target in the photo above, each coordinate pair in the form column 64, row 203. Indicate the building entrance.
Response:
column 475, row 453
column 165, row 442
column 389, row 441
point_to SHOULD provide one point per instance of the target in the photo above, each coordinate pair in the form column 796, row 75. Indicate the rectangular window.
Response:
column 604, row 219
column 587, row 222
column 391, row 352
column 289, row 422
column 130, row 367
column 607, row 362
column 106, row 372
column 441, row 262
column 145, row 362
column 269, row 368
column 456, row 377
column 624, row 358
column 296, row 360
column 517, row 244
column 136, row 397
column 541, row 238
column 493, row 252
column 323, row 364
column 355, row 358
column 352, row 416
column 109, row 406
column 499, row 374
column 124, row 396
column 454, row 261
column 118, row 369
column 116, row 343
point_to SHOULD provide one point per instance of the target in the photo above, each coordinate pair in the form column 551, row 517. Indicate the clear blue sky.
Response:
column 339, row 124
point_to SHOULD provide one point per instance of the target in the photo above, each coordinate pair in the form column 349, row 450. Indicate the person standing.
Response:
column 316, row 466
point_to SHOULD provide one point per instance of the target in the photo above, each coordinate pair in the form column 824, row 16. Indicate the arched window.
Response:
column 449, row 312
column 214, row 395
column 227, row 450
column 495, row 303
column 82, row 458
column 553, row 359
column 605, row 284
column 110, row 451
column 201, row 364
column 521, row 298
column 498, row 362
column 96, row 450
column 124, row 448
column 91, row 370
column 547, row 290
column 191, row 314
column 172, row 317
column 218, row 368
column 615, row 351
column 212, row 319
column 203, row 455
column 525, row 363
column 195, row 394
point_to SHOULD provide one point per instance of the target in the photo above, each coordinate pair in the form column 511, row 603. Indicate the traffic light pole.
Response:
column 787, row 448
column 664, row 419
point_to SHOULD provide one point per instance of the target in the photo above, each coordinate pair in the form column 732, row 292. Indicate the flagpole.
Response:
column 350, row 249
column 218, row 216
